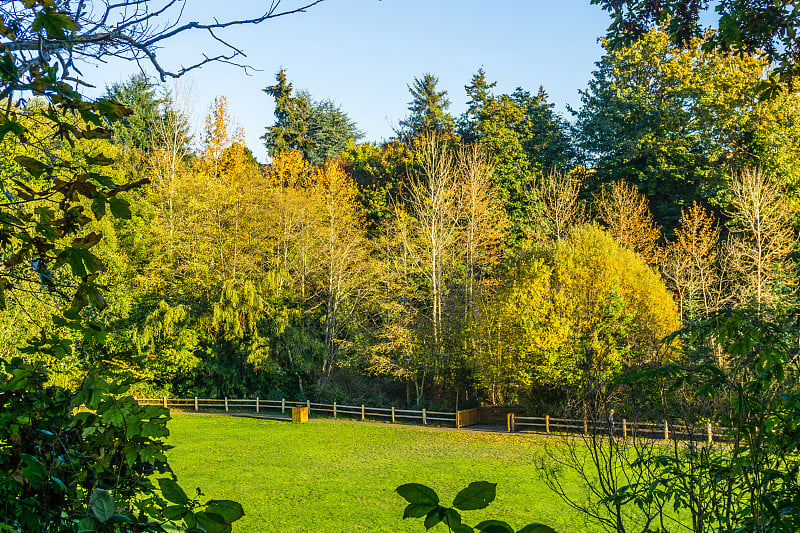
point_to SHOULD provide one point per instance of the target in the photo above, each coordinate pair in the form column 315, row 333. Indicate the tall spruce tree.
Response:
column 479, row 93
column 428, row 108
column 289, row 131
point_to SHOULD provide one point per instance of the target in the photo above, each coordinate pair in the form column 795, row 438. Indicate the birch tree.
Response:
column 761, row 234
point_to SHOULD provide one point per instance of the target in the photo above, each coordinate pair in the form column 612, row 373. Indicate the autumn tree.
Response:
column 483, row 223
column 226, row 195
column 691, row 262
column 570, row 320
column 421, row 255
column 555, row 196
column 398, row 349
column 433, row 204
column 627, row 216
column 168, row 160
column 346, row 268
column 762, row 235
column 292, row 238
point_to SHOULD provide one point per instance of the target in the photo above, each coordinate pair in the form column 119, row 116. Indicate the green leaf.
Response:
column 87, row 241
column 229, row 510
column 34, row 166
column 172, row 491
column 119, row 208
column 96, row 133
column 212, row 523
column 111, row 109
column 418, row 493
column 494, row 526
column 190, row 520
column 536, row 528
column 33, row 470
column 82, row 261
column 175, row 512
column 100, row 160
column 99, row 206
column 452, row 518
column 417, row 510
column 54, row 24
column 434, row 517
column 102, row 505
column 87, row 524
column 477, row 495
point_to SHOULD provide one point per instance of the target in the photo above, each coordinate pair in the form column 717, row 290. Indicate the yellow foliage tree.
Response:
column 227, row 197
column 690, row 261
column 579, row 315
column 626, row 215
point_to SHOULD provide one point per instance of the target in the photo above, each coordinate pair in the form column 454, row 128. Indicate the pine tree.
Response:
column 289, row 131
column 479, row 93
column 428, row 108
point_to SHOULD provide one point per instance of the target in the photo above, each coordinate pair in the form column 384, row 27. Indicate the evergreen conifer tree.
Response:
column 289, row 131
column 428, row 108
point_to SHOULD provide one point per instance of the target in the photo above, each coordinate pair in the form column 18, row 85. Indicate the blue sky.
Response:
column 362, row 54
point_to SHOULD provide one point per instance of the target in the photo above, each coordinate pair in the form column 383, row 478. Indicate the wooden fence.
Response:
column 467, row 417
column 623, row 428
column 284, row 407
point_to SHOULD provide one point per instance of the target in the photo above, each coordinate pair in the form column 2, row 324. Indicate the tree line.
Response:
column 507, row 255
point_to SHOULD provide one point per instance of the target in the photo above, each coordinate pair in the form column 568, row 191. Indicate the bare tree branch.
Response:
column 129, row 29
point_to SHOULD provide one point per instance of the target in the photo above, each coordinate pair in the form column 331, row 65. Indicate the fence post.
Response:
column 283, row 405
column 585, row 426
column 226, row 404
column 196, row 405
column 308, row 406
column 165, row 402
column 710, row 433
column 257, row 405
column 362, row 411
column 424, row 417
column 624, row 429
column 547, row 423
column 510, row 422
column 334, row 409
column 393, row 414
column 666, row 430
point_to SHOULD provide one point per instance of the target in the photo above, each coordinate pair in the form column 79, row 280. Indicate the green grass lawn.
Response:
column 324, row 476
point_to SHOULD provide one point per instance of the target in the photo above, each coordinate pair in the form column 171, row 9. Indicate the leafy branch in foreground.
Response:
column 89, row 461
column 424, row 502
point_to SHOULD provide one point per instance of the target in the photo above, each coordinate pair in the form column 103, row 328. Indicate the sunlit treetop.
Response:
column 767, row 27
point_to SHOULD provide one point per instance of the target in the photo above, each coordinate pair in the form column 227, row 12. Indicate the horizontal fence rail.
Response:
column 620, row 428
column 284, row 407
column 468, row 417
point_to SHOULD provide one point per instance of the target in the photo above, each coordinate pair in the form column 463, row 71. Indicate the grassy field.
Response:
column 323, row 476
